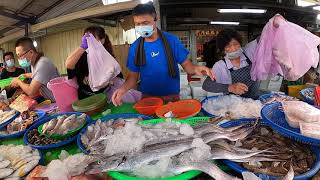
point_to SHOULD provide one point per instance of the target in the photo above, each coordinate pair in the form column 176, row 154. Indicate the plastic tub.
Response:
column 65, row 92
column 148, row 106
column 294, row 90
column 181, row 109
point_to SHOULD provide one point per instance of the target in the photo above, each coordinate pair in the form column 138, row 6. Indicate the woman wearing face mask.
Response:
column 233, row 72
column 154, row 58
column 10, row 69
column 77, row 64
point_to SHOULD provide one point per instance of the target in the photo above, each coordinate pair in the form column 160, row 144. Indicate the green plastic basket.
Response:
column 183, row 176
column 6, row 82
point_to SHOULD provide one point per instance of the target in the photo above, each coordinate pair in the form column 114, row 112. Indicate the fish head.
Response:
column 100, row 166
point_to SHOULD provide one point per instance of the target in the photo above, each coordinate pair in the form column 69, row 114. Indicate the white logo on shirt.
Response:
column 154, row 54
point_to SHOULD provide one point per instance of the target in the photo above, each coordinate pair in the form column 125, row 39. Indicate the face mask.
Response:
column 235, row 54
column 24, row 62
column 144, row 31
column 10, row 63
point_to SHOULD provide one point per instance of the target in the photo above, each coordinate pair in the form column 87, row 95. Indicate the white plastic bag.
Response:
column 102, row 66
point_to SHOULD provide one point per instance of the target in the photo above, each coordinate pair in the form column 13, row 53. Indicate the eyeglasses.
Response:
column 24, row 54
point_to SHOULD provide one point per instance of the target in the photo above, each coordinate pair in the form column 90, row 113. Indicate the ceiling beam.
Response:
column 233, row 3
column 4, row 30
column 26, row 5
column 103, row 22
column 86, row 13
column 50, row 7
column 4, row 12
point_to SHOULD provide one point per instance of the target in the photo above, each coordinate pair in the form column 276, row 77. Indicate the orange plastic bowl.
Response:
column 148, row 106
column 181, row 109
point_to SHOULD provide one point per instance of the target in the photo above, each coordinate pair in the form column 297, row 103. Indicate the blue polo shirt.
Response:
column 154, row 76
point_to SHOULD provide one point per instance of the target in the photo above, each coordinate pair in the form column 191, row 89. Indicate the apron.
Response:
column 242, row 75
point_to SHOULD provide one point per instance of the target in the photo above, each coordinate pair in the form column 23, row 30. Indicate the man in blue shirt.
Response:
column 155, row 57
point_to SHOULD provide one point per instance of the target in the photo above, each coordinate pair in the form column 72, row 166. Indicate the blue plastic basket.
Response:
column 307, row 99
column 275, row 117
column 51, row 146
column 239, row 169
column 9, row 120
column 106, row 118
column 41, row 114
column 263, row 98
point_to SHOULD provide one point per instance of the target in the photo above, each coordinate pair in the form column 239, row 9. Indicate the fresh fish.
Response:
column 4, row 164
column 25, row 161
column 218, row 153
column 5, row 172
column 25, row 169
column 49, row 126
column 206, row 167
column 256, row 159
column 290, row 174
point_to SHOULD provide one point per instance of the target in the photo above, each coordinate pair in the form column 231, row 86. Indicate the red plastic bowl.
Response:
column 148, row 106
column 181, row 109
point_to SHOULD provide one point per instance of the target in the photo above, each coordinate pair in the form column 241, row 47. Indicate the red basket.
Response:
column 181, row 109
column 148, row 106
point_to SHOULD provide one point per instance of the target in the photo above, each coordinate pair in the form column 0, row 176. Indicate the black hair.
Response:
column 225, row 36
column 7, row 54
column 26, row 43
column 143, row 9
column 99, row 32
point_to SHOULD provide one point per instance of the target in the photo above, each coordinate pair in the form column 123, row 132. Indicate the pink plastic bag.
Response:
column 289, row 50
column 132, row 96
column 102, row 66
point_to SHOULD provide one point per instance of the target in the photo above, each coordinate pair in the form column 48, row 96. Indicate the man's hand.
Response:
column 202, row 70
column 117, row 96
column 15, row 83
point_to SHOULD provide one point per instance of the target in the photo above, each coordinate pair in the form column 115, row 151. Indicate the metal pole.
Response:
column 157, row 7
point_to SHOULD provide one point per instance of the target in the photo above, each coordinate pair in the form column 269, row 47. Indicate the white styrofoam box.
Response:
column 181, row 70
column 275, row 83
column 183, row 79
column 185, row 90
column 185, row 97
column 199, row 98
column 196, row 89
column 271, row 84
column 203, row 78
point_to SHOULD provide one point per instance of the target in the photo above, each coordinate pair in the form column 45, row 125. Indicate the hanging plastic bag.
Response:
column 132, row 96
column 288, row 49
column 102, row 66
